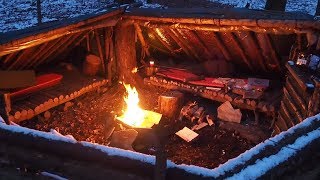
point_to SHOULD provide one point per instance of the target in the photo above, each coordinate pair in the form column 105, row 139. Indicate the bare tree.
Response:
column 277, row 5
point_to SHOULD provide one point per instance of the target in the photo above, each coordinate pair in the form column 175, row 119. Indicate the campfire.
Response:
column 135, row 116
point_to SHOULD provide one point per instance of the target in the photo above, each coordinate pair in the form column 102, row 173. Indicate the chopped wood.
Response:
column 227, row 113
column 209, row 120
column 200, row 126
column 67, row 105
column 170, row 103
column 47, row 115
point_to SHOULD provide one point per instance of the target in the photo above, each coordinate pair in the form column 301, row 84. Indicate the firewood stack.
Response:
column 196, row 115
column 43, row 101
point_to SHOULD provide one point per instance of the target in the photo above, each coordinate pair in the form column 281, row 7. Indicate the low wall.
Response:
column 267, row 159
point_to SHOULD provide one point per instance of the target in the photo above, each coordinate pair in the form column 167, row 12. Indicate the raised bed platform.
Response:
column 73, row 85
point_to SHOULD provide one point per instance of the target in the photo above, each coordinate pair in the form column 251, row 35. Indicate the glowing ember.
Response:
column 135, row 116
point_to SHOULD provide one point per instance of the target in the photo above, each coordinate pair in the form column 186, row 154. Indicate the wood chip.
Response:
column 209, row 120
column 187, row 134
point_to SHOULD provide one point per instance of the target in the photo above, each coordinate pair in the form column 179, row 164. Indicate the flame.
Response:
column 133, row 115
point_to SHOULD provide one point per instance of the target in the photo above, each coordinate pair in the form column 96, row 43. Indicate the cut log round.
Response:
column 47, row 115
column 170, row 103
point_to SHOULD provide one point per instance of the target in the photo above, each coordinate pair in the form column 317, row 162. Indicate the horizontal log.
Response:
column 291, row 105
column 281, row 123
column 220, row 97
column 296, row 97
column 224, row 28
column 298, row 76
column 270, row 23
column 286, row 115
column 40, row 38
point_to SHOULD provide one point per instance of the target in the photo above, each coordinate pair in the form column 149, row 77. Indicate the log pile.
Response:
column 43, row 101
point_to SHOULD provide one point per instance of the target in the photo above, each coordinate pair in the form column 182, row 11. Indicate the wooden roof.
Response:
column 254, row 39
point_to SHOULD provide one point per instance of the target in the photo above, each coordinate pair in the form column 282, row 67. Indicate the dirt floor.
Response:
column 91, row 118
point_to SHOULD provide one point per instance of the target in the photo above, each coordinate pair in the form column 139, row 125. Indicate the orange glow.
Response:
column 135, row 116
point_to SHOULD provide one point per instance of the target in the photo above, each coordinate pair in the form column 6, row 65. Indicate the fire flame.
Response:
column 133, row 115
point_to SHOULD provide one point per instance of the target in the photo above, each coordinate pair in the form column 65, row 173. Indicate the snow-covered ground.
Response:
column 305, row 6
column 20, row 14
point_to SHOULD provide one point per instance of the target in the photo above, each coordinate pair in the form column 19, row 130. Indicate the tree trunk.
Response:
column 39, row 15
column 125, row 51
column 276, row 5
column 318, row 9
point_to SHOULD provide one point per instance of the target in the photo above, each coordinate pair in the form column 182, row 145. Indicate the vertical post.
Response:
column 161, row 160
column 39, row 15
column 125, row 52
column 5, row 107
column 318, row 9
column 314, row 102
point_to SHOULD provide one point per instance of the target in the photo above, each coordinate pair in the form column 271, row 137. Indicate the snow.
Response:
column 53, row 176
column 111, row 151
column 264, row 165
column 304, row 6
column 146, row 5
column 249, row 172
column 19, row 14
column 36, row 133
column 254, row 4
column 242, row 158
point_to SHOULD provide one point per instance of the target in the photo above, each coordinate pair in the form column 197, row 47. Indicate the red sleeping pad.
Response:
column 42, row 82
column 189, row 77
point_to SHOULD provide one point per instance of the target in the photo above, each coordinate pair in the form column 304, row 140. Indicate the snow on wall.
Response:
column 242, row 158
column 262, row 165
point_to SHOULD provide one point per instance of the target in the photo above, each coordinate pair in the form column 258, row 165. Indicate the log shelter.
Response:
column 126, row 39
column 257, row 43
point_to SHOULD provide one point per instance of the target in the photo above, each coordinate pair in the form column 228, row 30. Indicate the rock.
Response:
column 123, row 139
column 227, row 113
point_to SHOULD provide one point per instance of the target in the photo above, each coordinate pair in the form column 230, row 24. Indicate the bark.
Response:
column 125, row 50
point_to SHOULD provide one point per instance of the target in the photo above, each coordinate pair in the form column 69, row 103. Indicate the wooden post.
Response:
column 125, row 51
column 4, row 108
column 318, row 9
column 314, row 103
column 39, row 15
